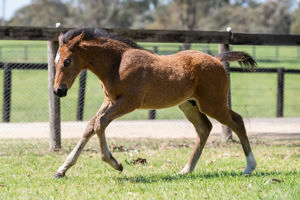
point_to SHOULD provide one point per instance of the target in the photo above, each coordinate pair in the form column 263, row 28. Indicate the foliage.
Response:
column 111, row 13
column 295, row 27
column 270, row 17
column 278, row 16
column 40, row 13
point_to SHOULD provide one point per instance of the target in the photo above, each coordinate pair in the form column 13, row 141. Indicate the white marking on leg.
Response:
column 70, row 161
column 72, row 157
column 185, row 170
column 251, row 163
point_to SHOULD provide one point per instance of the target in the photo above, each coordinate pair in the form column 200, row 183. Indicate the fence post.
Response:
column 186, row 46
column 81, row 95
column 54, row 102
column 254, row 52
column 1, row 53
column 207, row 50
column 226, row 134
column 6, row 94
column 276, row 52
column 280, row 91
column 180, row 48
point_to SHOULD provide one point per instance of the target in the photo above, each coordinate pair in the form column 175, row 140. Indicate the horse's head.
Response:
column 67, row 64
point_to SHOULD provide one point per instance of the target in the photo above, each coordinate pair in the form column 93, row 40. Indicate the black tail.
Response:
column 244, row 59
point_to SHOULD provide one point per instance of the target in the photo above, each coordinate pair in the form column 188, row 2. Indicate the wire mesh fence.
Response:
column 253, row 94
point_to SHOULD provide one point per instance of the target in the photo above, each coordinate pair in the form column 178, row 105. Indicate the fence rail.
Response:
column 142, row 35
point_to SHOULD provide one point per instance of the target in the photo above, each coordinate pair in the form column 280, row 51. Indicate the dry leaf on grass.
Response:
column 273, row 180
column 117, row 148
column 211, row 161
column 140, row 161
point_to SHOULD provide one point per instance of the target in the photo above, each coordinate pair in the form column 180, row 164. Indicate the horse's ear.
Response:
column 75, row 41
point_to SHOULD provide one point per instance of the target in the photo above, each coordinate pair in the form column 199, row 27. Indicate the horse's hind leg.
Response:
column 88, row 133
column 203, row 128
column 235, row 122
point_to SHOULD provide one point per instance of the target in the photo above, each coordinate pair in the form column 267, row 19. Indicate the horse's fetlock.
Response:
column 105, row 158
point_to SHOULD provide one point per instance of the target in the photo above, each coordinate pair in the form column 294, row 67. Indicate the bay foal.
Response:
column 134, row 78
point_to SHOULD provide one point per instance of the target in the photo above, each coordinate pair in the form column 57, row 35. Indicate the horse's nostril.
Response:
column 61, row 92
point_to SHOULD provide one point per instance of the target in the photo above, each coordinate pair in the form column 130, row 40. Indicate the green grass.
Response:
column 27, row 169
column 253, row 94
column 14, row 51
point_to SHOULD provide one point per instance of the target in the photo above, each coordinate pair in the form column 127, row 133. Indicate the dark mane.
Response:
column 91, row 33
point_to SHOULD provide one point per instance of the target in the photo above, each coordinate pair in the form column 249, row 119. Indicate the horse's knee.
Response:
column 100, row 124
column 89, row 131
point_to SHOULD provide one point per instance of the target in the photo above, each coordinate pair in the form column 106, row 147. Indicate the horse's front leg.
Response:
column 118, row 109
column 88, row 133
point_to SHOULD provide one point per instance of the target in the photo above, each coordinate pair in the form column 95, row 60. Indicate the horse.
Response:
column 134, row 78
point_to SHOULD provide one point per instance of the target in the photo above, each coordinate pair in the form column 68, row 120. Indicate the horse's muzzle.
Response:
column 61, row 91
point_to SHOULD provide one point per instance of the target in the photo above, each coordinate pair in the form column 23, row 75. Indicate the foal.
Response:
column 134, row 78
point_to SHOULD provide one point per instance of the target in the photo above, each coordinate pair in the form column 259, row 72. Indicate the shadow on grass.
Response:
column 206, row 175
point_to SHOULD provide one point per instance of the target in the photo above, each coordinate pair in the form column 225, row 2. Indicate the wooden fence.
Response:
column 50, row 34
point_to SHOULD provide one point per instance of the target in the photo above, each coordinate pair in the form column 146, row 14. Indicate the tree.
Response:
column 295, row 26
column 114, row 13
column 105, row 13
column 269, row 17
column 40, row 13
column 274, row 17
column 184, row 14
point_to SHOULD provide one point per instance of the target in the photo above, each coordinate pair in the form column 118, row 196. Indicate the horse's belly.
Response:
column 156, row 98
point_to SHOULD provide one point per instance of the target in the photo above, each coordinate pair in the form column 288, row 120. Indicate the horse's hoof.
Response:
column 120, row 168
column 57, row 175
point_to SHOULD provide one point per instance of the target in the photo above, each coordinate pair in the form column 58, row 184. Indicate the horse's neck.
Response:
column 104, row 62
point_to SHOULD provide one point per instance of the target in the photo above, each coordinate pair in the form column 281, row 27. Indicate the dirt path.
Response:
column 273, row 128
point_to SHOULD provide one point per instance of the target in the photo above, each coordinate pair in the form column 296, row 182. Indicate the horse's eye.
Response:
column 67, row 62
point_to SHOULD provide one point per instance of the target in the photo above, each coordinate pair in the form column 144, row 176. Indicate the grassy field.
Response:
column 27, row 169
column 253, row 95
